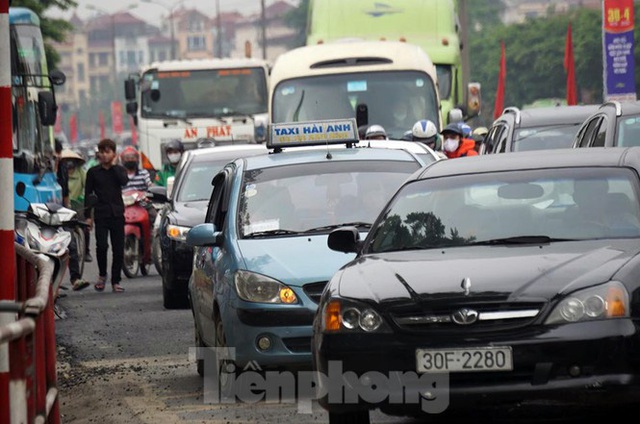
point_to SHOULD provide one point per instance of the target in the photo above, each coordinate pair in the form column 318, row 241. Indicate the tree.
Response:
column 52, row 29
column 297, row 19
column 484, row 14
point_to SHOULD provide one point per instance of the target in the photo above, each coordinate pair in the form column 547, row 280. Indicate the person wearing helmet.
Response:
column 426, row 132
column 376, row 132
column 139, row 178
column 478, row 135
column 455, row 145
column 174, row 150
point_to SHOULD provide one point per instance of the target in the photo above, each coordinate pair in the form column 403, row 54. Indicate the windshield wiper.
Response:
column 516, row 240
column 173, row 115
column 279, row 232
column 231, row 112
column 357, row 224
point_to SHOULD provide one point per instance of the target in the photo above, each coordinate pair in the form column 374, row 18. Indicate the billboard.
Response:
column 617, row 37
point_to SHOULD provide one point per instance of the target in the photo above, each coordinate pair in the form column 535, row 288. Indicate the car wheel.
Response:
column 156, row 253
column 357, row 417
column 174, row 299
column 199, row 344
column 131, row 262
column 227, row 369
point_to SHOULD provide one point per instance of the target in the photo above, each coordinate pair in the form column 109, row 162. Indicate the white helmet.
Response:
column 424, row 130
column 375, row 131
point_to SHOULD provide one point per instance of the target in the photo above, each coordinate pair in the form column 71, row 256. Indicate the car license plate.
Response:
column 477, row 359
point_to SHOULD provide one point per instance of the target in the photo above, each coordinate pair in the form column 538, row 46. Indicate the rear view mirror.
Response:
column 130, row 89
column 170, row 182
column 57, row 77
column 155, row 94
column 519, row 191
column 132, row 108
column 47, row 108
column 345, row 239
column 21, row 188
column 158, row 194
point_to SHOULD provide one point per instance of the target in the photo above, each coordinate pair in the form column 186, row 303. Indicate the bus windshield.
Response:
column 28, row 58
column 204, row 93
column 394, row 99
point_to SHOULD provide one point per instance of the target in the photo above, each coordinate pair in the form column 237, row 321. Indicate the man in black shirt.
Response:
column 105, row 182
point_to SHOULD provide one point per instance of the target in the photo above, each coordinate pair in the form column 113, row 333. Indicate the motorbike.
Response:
column 48, row 228
column 137, row 234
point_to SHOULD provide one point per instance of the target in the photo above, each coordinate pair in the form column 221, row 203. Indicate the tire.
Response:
column 144, row 267
column 227, row 371
column 156, row 253
column 199, row 344
column 131, row 262
column 357, row 417
column 174, row 299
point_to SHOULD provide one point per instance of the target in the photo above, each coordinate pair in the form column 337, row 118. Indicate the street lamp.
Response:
column 170, row 11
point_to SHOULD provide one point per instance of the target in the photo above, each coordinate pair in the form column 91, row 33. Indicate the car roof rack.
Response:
column 312, row 133
column 614, row 103
column 514, row 110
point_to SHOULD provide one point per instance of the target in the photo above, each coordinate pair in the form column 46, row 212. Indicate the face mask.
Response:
column 131, row 166
column 451, row 144
column 174, row 157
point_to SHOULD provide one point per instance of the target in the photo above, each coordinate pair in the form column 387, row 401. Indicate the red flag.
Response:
column 57, row 128
column 569, row 67
column 101, row 122
column 73, row 128
column 499, row 105
column 116, row 117
column 134, row 133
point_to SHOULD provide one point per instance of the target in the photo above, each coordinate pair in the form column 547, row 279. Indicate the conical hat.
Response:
column 70, row 154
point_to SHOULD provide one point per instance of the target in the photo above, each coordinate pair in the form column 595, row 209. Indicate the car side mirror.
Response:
column 345, row 239
column 57, row 77
column 204, row 235
column 132, row 108
column 158, row 194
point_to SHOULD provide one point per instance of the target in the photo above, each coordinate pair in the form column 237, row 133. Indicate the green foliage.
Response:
column 484, row 14
column 52, row 29
column 535, row 58
column 297, row 19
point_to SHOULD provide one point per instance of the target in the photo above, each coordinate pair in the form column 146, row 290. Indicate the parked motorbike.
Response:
column 48, row 228
column 137, row 234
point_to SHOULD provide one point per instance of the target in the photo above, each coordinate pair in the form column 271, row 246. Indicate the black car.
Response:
column 614, row 124
column 186, row 208
column 505, row 284
column 551, row 127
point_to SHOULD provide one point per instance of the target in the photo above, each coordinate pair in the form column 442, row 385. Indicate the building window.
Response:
column 131, row 59
column 140, row 56
column 93, row 84
column 195, row 25
column 82, row 95
column 80, row 72
column 152, row 56
column 92, row 60
column 103, row 59
column 162, row 55
column 196, row 43
column 122, row 58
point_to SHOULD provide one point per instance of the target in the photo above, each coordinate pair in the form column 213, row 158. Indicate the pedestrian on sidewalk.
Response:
column 105, row 211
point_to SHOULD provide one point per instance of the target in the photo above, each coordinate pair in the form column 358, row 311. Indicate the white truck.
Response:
column 201, row 102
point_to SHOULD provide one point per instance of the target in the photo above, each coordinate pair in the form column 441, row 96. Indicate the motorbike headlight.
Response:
column 259, row 288
column 339, row 315
column 128, row 199
column 57, row 247
column 178, row 233
column 609, row 300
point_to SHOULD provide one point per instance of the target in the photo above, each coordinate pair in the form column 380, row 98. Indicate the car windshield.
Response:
column 197, row 181
column 511, row 207
column 315, row 198
column 394, row 99
column 628, row 133
column 547, row 137
column 205, row 93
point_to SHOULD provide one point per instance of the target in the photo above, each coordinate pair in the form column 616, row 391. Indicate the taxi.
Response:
column 261, row 259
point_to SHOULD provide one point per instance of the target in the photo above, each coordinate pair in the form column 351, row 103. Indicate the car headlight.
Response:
column 178, row 233
column 609, row 300
column 340, row 315
column 259, row 288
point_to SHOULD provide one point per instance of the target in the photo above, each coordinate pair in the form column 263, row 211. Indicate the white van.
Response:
column 393, row 84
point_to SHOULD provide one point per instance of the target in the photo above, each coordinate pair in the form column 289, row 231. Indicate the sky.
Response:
column 152, row 12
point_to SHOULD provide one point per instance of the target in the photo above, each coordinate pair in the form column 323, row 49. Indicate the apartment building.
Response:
column 518, row 11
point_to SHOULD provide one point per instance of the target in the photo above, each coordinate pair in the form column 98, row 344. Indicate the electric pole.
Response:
column 263, row 18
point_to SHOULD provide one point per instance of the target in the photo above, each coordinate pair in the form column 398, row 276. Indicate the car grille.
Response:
column 298, row 344
column 314, row 290
column 490, row 316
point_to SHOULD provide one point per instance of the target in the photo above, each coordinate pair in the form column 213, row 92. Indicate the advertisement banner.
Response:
column 116, row 118
column 619, row 65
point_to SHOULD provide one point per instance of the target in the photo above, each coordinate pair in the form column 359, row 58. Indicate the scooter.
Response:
column 137, row 234
column 47, row 228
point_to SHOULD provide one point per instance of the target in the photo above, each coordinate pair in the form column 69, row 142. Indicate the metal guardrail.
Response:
column 31, row 337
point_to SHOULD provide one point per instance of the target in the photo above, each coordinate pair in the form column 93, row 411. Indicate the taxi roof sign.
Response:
column 313, row 133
